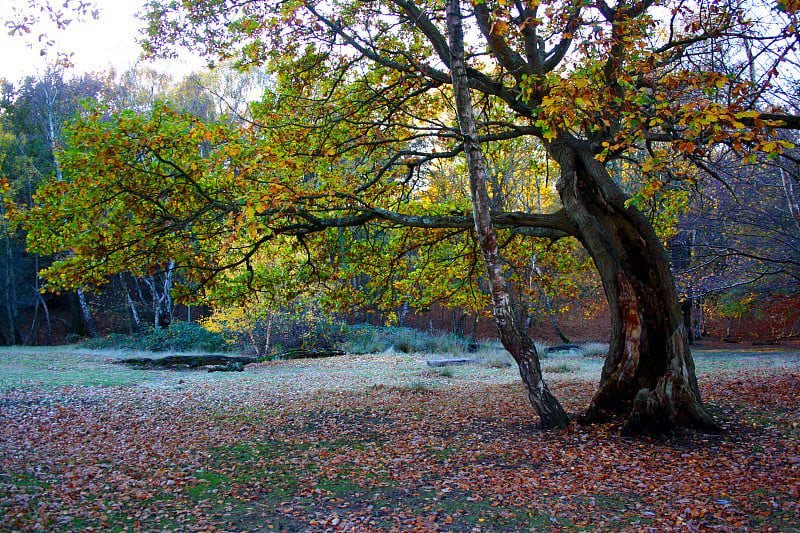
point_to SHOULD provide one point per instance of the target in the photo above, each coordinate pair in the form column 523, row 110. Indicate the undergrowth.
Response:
column 178, row 337
column 299, row 331
column 364, row 338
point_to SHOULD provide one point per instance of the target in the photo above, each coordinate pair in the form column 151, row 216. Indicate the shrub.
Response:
column 307, row 329
column 365, row 338
column 450, row 343
column 178, row 337
column 268, row 331
column 541, row 349
column 494, row 355
column 561, row 368
column 247, row 326
column 594, row 349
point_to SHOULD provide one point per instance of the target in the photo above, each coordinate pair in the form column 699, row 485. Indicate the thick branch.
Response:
column 507, row 57
column 787, row 122
column 554, row 225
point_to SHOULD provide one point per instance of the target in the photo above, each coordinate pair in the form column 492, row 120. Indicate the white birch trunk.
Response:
column 515, row 341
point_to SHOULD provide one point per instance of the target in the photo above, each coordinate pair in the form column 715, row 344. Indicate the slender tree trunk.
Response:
column 169, row 308
column 40, row 300
column 548, row 305
column 687, row 309
column 699, row 319
column 649, row 373
column 139, row 289
column 11, row 292
column 35, row 318
column 134, row 314
column 52, row 138
column 162, row 297
column 268, row 341
column 91, row 329
column 11, row 299
column 156, row 309
column 475, row 327
column 791, row 198
column 49, row 337
column 157, row 299
column 513, row 338
column 401, row 320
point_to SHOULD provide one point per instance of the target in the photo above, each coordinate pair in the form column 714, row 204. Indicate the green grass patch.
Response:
column 62, row 366
column 560, row 368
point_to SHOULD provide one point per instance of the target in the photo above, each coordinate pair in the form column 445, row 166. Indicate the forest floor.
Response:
column 380, row 443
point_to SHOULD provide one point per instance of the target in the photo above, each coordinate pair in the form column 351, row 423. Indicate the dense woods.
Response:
column 387, row 159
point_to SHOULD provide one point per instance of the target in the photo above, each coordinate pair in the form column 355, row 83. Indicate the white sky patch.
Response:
column 95, row 45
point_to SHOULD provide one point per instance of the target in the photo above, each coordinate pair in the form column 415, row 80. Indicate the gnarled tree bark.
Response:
column 649, row 373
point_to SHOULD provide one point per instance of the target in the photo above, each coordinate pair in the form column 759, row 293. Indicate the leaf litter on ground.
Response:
column 353, row 444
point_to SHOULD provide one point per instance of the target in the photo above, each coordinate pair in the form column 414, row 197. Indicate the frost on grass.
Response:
column 379, row 443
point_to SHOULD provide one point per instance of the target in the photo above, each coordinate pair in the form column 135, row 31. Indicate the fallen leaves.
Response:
column 387, row 459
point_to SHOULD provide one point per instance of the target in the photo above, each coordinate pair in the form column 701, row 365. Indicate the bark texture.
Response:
column 513, row 338
column 649, row 373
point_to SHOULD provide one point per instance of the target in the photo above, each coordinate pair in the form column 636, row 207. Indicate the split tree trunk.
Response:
column 513, row 338
column 649, row 373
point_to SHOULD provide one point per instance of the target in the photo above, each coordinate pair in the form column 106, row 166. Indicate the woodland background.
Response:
column 735, row 250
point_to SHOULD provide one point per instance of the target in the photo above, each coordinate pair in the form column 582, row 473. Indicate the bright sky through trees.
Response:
column 95, row 45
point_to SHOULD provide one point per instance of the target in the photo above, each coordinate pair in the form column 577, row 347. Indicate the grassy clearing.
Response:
column 56, row 367
column 381, row 443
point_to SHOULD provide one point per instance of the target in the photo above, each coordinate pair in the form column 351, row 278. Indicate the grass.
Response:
column 447, row 372
column 363, row 339
column 54, row 367
column 63, row 366
column 594, row 349
column 560, row 368
column 379, row 440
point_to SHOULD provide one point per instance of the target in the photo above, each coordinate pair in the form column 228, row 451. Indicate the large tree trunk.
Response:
column 513, row 338
column 649, row 373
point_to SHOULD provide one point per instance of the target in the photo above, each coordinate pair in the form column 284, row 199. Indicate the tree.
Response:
column 371, row 93
column 739, row 240
column 33, row 115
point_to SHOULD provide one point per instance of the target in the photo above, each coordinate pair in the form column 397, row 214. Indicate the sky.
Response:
column 96, row 45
